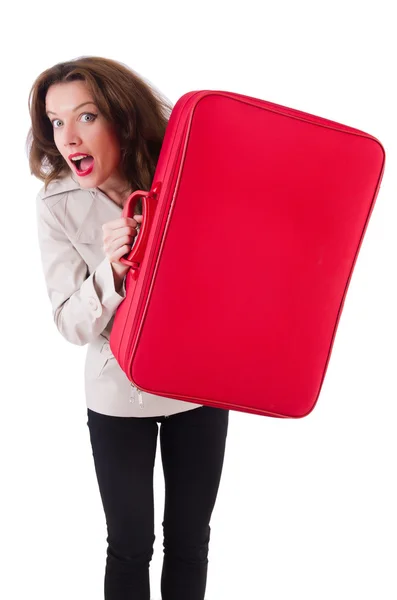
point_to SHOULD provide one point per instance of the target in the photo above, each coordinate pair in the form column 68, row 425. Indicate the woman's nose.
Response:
column 70, row 136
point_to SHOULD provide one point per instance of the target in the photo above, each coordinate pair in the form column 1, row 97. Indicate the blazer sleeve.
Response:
column 82, row 304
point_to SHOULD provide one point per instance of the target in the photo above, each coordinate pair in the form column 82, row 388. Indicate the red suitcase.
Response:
column 250, row 235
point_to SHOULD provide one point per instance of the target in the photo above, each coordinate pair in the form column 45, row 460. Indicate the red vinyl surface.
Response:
column 259, row 219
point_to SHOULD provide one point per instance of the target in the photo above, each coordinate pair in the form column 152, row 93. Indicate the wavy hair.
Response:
column 137, row 110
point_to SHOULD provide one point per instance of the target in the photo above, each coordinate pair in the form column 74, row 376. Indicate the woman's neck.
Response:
column 117, row 193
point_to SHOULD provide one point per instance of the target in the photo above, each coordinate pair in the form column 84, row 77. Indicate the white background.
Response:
column 306, row 508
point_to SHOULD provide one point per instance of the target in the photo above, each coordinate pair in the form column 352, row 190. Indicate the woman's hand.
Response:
column 118, row 237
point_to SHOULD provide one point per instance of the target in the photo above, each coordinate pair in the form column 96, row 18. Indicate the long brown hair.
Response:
column 137, row 110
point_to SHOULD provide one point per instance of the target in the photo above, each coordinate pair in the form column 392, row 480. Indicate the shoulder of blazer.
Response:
column 71, row 206
column 59, row 186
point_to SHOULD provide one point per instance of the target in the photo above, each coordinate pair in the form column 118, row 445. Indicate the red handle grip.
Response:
column 135, row 257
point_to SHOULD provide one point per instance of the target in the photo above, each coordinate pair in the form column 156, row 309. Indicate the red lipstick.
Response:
column 82, row 172
column 86, row 172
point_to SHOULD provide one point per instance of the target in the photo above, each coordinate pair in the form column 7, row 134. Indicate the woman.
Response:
column 96, row 134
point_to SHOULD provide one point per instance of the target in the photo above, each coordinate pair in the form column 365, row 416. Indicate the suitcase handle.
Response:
column 135, row 257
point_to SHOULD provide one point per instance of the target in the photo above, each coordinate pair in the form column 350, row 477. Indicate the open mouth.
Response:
column 83, row 164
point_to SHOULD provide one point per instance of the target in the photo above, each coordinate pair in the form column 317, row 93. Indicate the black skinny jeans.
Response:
column 192, row 450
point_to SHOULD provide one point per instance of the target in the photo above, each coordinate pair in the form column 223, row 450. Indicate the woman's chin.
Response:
column 88, row 181
column 85, row 182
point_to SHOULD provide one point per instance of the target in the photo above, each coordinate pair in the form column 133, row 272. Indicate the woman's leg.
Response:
column 124, row 450
column 192, row 450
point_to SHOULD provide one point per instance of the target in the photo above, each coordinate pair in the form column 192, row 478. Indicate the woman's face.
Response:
column 81, row 130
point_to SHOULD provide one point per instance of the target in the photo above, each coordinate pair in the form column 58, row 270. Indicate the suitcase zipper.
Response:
column 134, row 393
column 140, row 400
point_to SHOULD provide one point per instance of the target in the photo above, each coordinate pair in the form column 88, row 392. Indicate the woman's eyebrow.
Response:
column 74, row 109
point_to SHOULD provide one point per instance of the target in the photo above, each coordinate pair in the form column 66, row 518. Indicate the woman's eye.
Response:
column 92, row 117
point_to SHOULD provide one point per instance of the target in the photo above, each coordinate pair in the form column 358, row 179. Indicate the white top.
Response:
column 80, row 285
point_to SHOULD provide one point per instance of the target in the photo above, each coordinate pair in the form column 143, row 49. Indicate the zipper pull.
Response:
column 132, row 394
column 134, row 391
column 140, row 400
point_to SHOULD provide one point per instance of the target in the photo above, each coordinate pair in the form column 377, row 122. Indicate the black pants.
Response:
column 192, row 451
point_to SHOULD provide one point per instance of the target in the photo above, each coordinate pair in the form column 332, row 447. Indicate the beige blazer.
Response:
column 80, row 286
